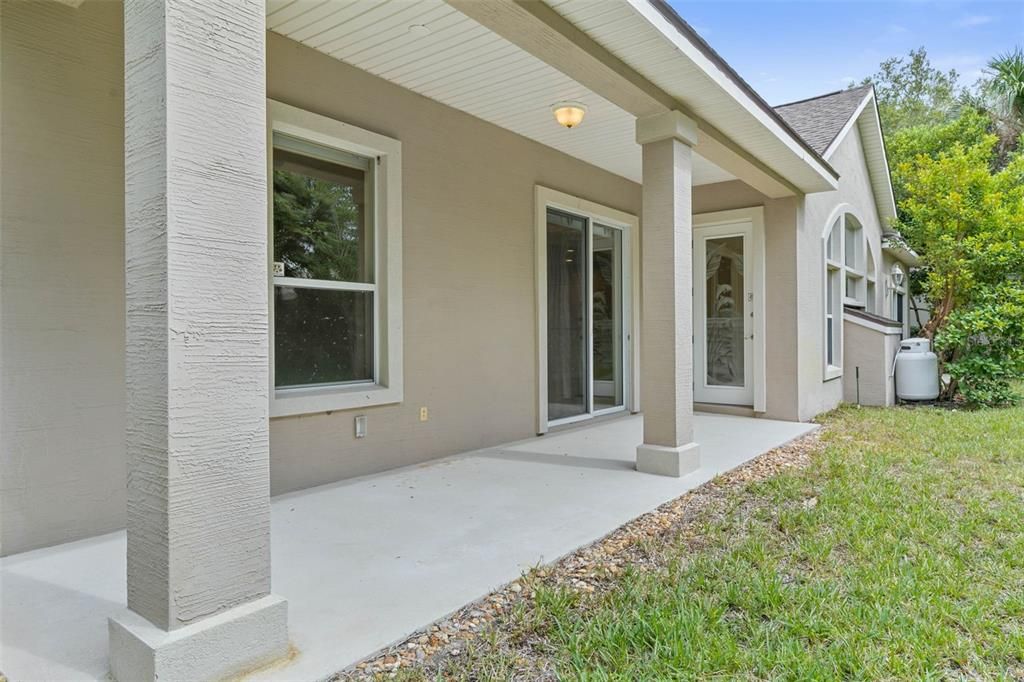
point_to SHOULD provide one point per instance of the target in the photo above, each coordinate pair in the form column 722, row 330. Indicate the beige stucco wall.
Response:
column 468, row 266
column 62, row 465
column 782, row 218
column 468, row 274
column 872, row 352
column 470, row 331
column 817, row 395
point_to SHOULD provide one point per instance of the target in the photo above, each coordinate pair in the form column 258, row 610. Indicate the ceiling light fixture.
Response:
column 569, row 114
column 419, row 30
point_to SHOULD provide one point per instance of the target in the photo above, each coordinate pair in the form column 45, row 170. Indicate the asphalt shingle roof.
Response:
column 820, row 119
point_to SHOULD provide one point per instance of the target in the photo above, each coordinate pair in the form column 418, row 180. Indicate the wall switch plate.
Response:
column 361, row 426
column 424, row 414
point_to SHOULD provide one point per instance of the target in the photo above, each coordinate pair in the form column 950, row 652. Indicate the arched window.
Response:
column 849, row 280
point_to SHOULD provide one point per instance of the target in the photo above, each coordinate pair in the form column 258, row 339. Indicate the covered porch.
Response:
column 365, row 562
column 435, row 118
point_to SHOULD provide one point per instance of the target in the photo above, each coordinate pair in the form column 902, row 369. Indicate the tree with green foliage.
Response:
column 967, row 223
column 1001, row 96
column 317, row 227
column 1007, row 72
column 958, row 179
column 911, row 92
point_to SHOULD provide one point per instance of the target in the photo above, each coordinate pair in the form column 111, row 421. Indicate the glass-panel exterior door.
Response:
column 606, row 304
column 568, row 368
column 587, row 327
column 723, row 315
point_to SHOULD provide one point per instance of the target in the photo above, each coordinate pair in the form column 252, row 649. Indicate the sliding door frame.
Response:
column 545, row 198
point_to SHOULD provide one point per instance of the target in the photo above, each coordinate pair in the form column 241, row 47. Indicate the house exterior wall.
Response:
column 782, row 219
column 469, row 300
column 910, row 320
column 872, row 352
column 816, row 394
column 62, row 456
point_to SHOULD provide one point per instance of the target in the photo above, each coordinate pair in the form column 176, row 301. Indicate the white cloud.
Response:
column 969, row 66
column 972, row 20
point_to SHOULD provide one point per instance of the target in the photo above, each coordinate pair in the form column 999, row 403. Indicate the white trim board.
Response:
column 545, row 197
column 755, row 216
column 878, row 173
column 387, row 386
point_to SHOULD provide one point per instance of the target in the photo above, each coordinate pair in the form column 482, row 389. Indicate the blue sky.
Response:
column 792, row 50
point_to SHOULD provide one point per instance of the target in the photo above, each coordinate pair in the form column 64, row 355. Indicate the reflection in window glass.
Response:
column 607, row 307
column 323, row 230
column 322, row 336
column 321, row 217
column 567, row 315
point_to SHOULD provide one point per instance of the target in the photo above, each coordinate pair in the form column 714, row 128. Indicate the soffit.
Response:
column 468, row 67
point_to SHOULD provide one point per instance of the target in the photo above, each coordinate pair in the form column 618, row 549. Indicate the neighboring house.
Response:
column 238, row 263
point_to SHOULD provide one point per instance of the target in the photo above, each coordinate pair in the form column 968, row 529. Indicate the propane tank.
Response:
column 917, row 371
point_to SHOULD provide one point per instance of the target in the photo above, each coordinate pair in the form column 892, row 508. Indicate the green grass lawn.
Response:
column 897, row 554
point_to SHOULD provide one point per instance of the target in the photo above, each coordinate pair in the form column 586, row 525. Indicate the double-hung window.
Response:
column 335, row 264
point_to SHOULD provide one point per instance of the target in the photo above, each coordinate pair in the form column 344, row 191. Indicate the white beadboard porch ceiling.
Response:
column 464, row 65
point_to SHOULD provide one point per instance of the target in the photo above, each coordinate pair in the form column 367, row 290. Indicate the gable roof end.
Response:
column 825, row 120
column 820, row 120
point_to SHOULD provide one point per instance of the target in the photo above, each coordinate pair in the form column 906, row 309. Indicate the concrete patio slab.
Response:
column 367, row 561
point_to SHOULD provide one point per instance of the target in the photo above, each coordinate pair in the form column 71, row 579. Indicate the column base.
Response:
column 240, row 639
column 665, row 461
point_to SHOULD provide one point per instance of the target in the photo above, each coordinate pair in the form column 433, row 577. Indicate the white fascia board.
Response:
column 847, row 127
column 872, row 325
column 870, row 125
column 903, row 255
column 828, row 180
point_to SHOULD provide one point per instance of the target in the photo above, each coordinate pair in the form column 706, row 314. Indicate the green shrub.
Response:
column 983, row 345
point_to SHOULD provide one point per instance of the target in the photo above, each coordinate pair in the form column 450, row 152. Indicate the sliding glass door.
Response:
column 587, row 332
column 567, row 316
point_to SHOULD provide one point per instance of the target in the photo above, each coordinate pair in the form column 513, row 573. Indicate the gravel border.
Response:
column 589, row 569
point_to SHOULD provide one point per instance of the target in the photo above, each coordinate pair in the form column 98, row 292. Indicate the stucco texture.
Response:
column 468, row 261
column 781, row 230
column 468, row 274
column 868, row 364
column 816, row 394
column 62, row 455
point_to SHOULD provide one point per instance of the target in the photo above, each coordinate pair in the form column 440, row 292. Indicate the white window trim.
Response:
column 387, row 387
column 839, row 213
column 545, row 198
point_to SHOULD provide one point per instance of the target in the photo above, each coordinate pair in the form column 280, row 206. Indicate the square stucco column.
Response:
column 197, row 374
column 666, row 340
